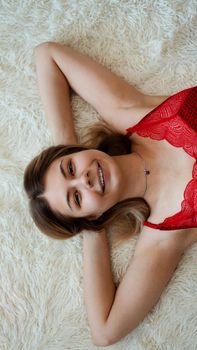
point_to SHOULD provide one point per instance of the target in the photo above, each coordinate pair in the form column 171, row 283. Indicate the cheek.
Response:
column 94, row 205
column 92, row 202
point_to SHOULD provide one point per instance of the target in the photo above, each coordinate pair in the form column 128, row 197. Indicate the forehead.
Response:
column 78, row 154
column 54, row 188
column 56, row 185
column 53, row 174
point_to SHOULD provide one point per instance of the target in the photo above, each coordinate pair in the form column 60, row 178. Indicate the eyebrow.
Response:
column 64, row 175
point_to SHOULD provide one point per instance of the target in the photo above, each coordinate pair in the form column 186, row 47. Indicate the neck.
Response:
column 133, row 175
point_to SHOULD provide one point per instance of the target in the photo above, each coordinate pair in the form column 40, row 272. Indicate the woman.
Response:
column 72, row 188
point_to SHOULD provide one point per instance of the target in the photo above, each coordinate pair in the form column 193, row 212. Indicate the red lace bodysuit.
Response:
column 175, row 120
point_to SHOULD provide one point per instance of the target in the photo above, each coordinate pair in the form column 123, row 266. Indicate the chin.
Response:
column 94, row 217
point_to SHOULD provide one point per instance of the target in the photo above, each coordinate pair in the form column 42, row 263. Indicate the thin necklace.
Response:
column 146, row 171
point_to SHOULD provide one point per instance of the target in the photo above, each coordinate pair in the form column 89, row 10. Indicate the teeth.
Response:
column 101, row 177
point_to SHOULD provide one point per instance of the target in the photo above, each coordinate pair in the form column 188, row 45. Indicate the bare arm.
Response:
column 113, row 313
column 60, row 66
column 55, row 95
column 99, row 288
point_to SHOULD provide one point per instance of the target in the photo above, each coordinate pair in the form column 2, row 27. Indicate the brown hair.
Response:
column 58, row 226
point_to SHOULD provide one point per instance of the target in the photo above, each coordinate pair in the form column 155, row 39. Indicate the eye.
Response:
column 77, row 198
column 70, row 168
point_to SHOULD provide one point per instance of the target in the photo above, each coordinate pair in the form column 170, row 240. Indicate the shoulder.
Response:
column 175, row 240
column 124, row 116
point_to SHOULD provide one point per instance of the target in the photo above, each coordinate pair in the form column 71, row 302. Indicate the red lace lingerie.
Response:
column 175, row 120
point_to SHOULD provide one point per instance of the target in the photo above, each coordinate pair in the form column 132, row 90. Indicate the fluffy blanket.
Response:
column 153, row 45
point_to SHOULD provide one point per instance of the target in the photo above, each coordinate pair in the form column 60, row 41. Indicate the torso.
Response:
column 170, row 171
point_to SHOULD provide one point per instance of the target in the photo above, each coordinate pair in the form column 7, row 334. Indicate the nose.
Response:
column 84, row 180
column 90, row 179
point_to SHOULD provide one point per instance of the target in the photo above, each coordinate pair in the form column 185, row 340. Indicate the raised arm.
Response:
column 115, row 312
column 55, row 95
column 117, row 102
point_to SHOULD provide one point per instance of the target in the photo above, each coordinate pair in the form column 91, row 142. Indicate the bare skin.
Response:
column 81, row 181
column 113, row 311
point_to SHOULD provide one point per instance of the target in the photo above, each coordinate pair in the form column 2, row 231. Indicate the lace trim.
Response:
column 175, row 120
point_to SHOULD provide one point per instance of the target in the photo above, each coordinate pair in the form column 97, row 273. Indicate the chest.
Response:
column 171, row 171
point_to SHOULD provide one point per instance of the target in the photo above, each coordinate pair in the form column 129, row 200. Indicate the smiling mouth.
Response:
column 101, row 177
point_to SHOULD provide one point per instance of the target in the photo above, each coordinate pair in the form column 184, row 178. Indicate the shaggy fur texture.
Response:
column 153, row 45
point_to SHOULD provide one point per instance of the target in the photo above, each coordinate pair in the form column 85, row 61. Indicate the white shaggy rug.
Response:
column 153, row 44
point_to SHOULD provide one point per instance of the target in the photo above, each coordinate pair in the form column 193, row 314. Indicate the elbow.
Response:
column 104, row 337
column 107, row 340
column 100, row 340
column 41, row 49
column 43, row 46
column 103, row 341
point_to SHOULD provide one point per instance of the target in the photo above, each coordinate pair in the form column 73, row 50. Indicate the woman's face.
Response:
column 74, row 184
